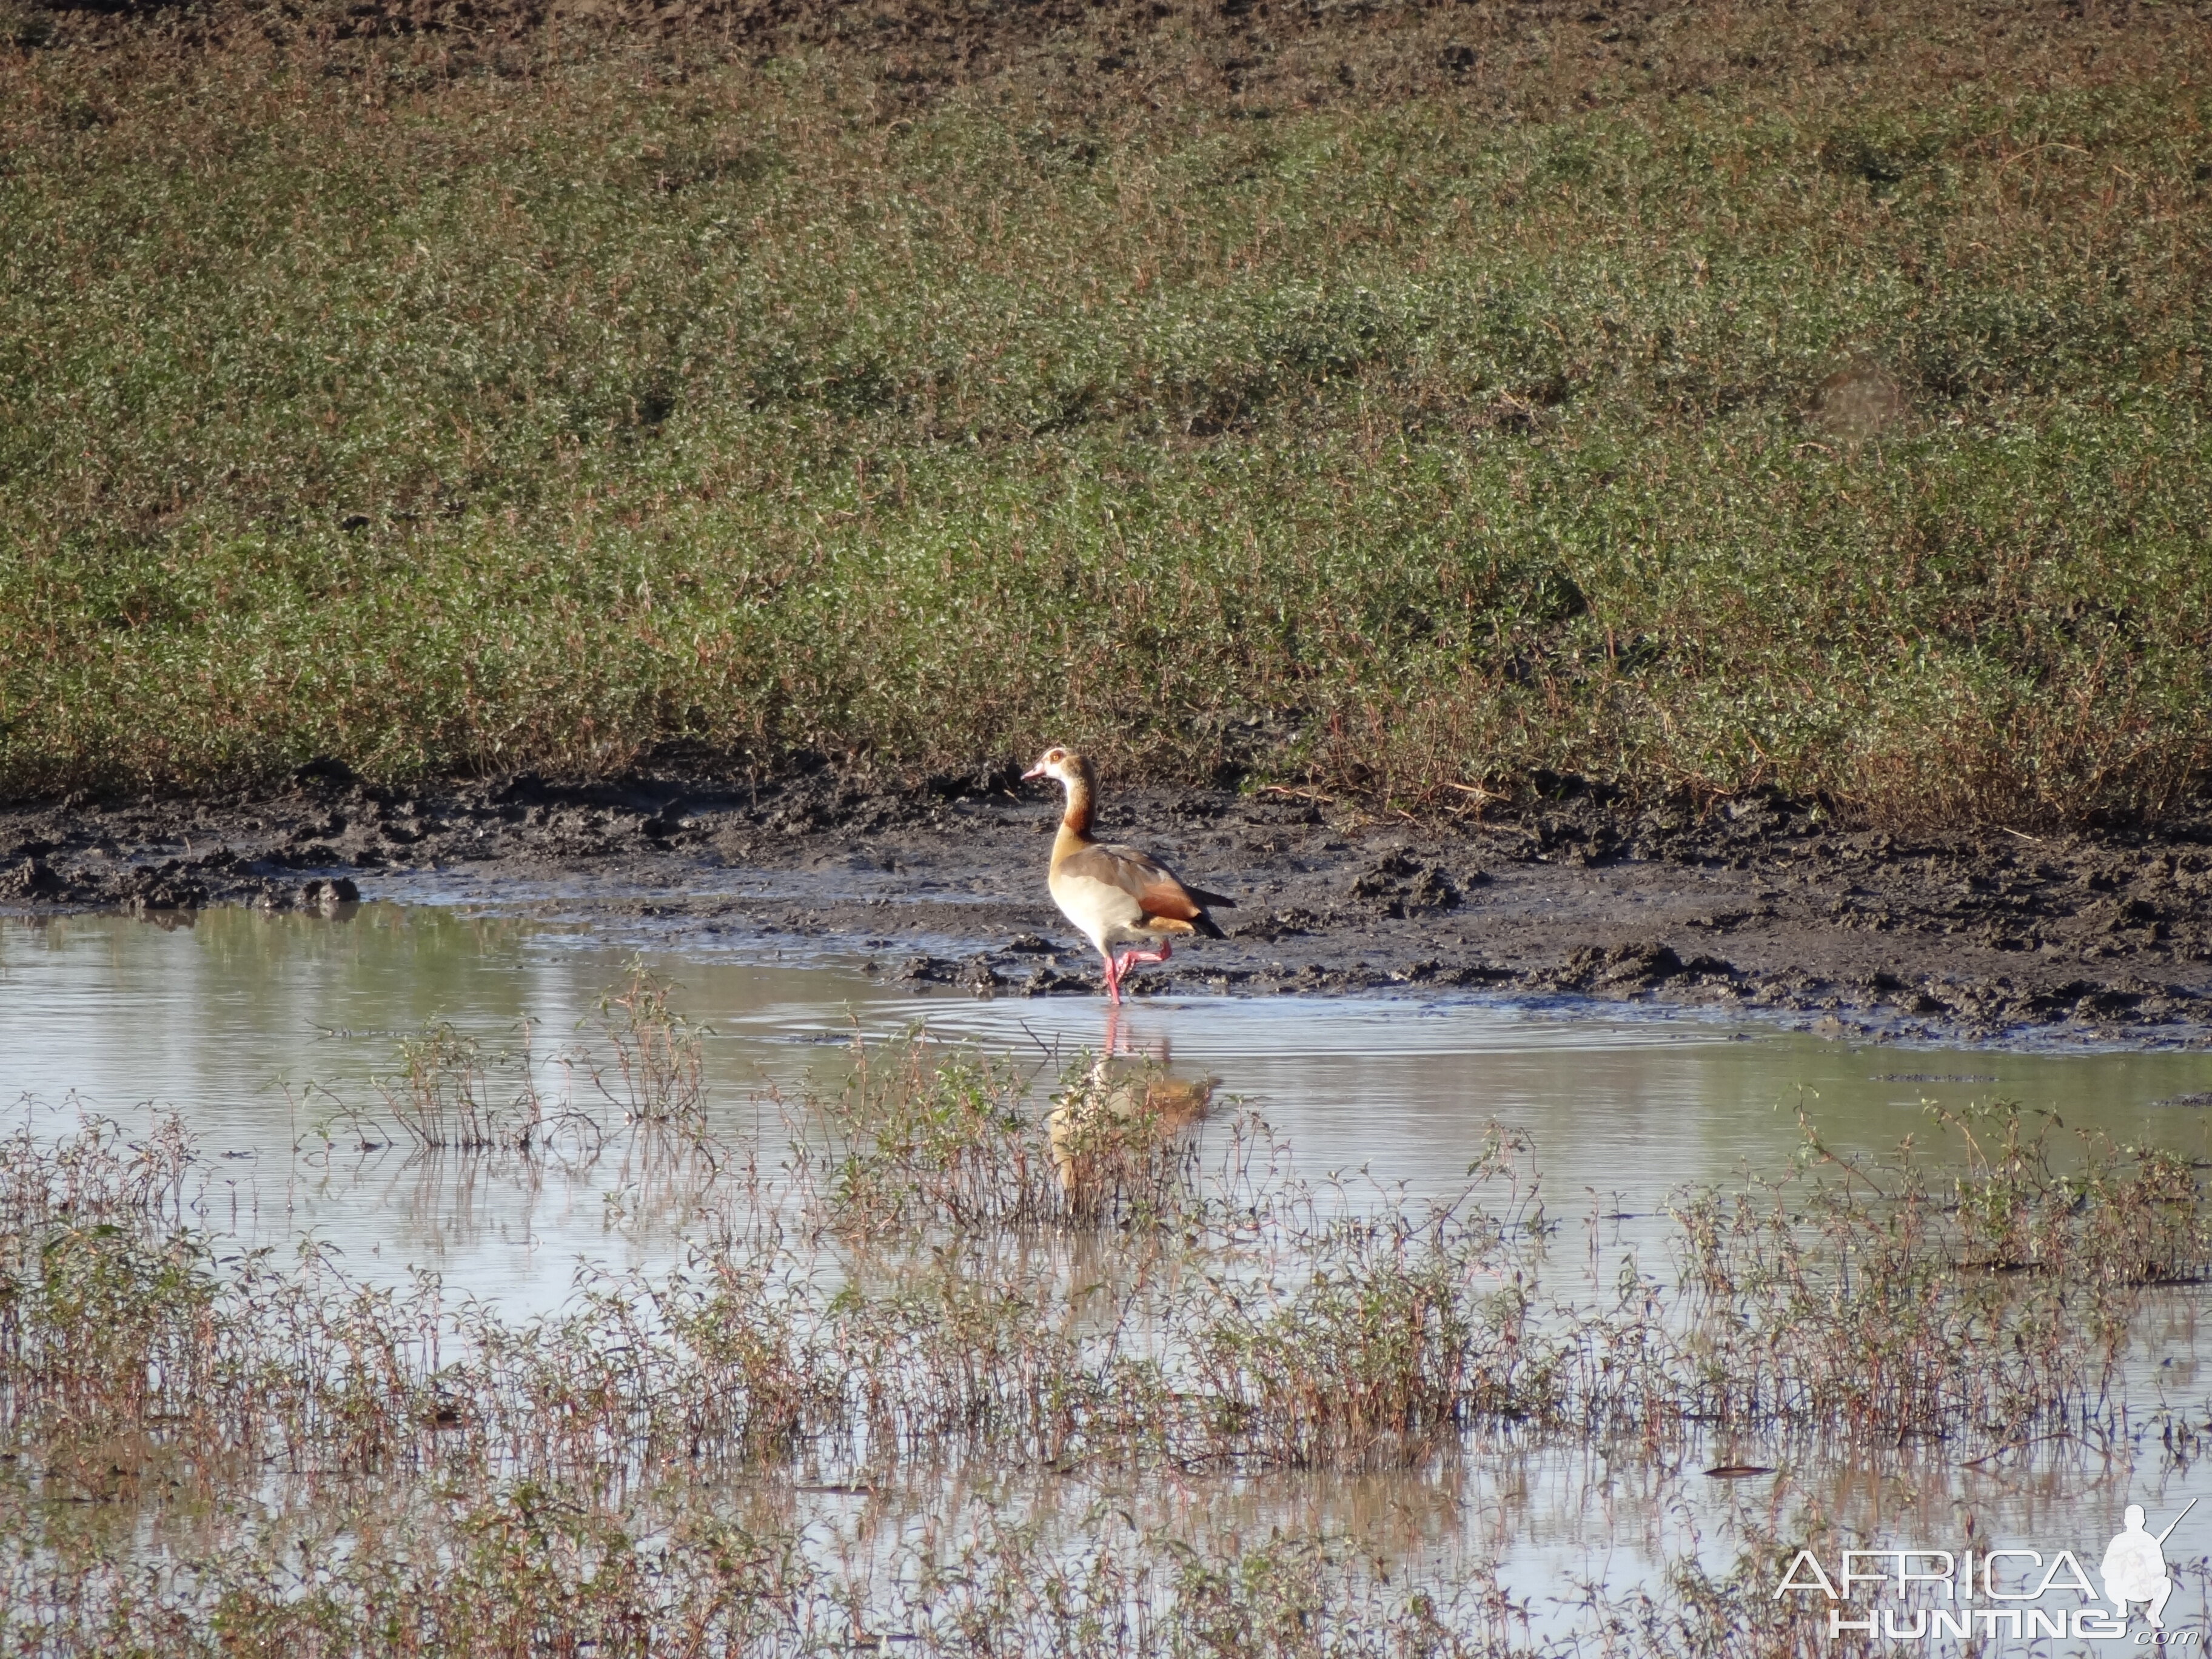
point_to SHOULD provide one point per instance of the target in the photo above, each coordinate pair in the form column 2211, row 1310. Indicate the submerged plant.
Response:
column 922, row 1309
column 657, row 1074
column 448, row 1092
column 1864, row 1294
column 1385, row 1342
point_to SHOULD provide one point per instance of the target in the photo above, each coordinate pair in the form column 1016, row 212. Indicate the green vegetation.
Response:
column 1387, row 398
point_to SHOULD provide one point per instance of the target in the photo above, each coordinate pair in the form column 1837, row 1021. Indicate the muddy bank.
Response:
column 2103, row 935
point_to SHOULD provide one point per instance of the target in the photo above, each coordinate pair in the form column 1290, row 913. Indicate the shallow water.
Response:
column 268, row 1033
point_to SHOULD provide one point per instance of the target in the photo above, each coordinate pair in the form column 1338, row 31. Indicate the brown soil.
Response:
column 1094, row 60
column 2099, row 936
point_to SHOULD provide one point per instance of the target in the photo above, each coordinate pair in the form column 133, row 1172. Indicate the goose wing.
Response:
column 1157, row 889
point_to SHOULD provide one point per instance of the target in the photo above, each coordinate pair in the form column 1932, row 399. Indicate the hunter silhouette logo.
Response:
column 2133, row 1568
column 1985, row 1594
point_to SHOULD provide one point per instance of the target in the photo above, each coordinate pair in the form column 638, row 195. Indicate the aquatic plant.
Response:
column 448, row 1092
column 1379, row 1342
column 658, row 1073
column 920, row 1137
column 254, row 1451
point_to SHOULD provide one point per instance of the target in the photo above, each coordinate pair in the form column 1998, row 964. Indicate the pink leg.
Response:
column 1113, row 977
column 1129, row 959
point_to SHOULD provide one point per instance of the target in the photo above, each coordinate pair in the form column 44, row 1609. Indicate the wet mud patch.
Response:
column 1761, row 905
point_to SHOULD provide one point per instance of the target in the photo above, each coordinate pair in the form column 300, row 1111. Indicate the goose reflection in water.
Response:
column 1122, row 1113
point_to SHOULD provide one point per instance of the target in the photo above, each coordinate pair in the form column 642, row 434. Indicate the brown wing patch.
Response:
column 1145, row 879
column 1168, row 900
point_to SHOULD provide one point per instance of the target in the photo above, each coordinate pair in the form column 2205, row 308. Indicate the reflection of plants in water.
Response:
column 657, row 1072
column 925, row 1294
column 668, row 1179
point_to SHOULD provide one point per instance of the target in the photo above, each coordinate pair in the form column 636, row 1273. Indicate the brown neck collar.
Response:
column 1076, row 820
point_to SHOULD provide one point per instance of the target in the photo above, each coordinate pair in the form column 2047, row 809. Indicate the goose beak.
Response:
column 1036, row 771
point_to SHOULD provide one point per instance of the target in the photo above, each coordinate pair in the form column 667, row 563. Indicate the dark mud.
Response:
column 1760, row 904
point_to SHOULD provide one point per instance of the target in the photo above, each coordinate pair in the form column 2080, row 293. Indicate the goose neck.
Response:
column 1076, row 819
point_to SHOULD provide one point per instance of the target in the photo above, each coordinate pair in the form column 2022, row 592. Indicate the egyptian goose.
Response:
column 1115, row 894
